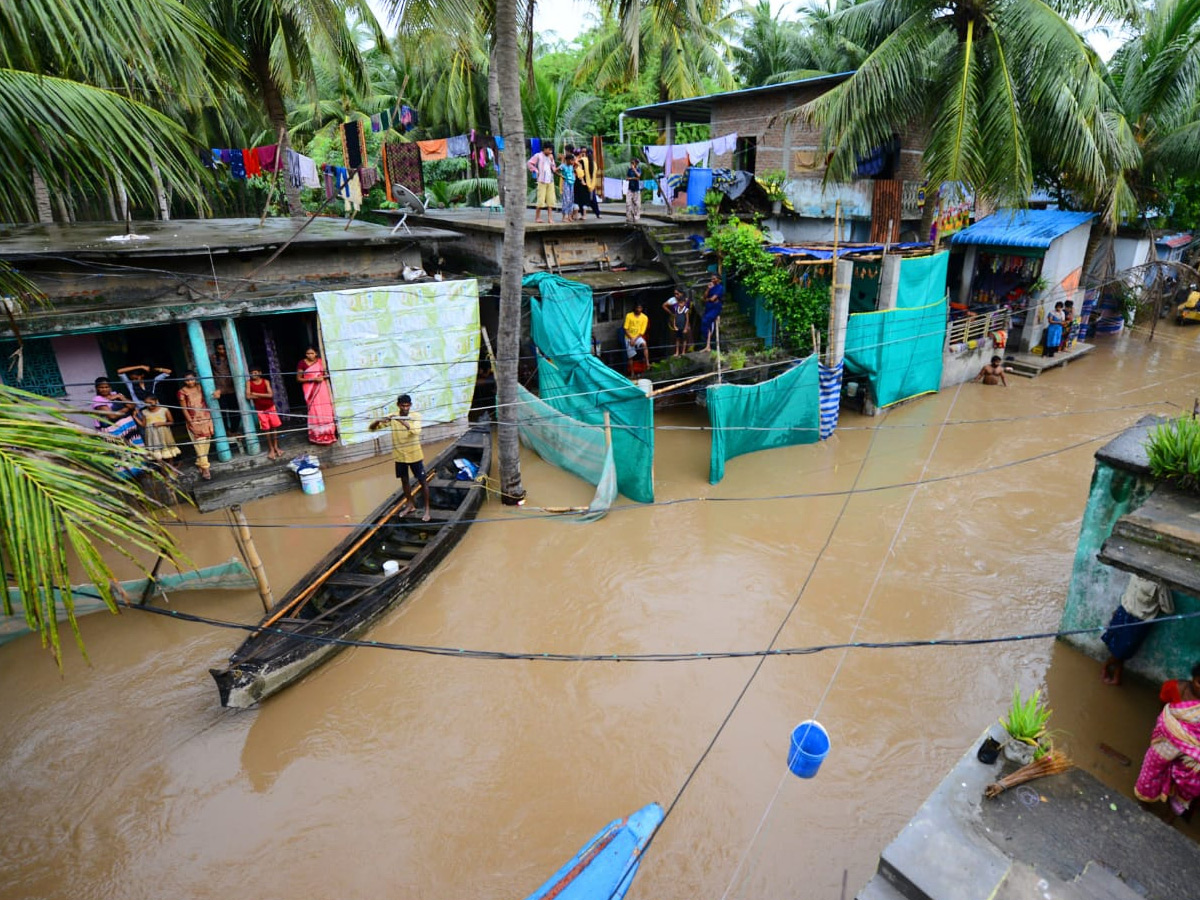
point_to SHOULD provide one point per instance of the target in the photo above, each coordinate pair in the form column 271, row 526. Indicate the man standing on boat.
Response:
column 406, row 448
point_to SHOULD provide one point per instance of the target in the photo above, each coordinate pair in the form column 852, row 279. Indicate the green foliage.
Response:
column 799, row 304
column 1174, row 452
column 62, row 499
column 1026, row 720
column 736, row 359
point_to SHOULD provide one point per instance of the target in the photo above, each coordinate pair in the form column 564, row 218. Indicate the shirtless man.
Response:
column 993, row 373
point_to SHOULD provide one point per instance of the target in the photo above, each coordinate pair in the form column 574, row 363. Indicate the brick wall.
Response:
column 794, row 148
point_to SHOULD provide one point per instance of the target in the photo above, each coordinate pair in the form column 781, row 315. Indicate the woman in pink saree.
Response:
column 310, row 372
column 1171, row 769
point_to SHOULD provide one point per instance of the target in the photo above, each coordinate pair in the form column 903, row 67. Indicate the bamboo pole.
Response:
column 275, row 180
column 151, row 581
column 717, row 332
column 685, row 383
column 256, row 565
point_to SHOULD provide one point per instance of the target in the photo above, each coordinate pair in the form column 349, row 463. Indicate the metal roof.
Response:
column 1174, row 240
column 699, row 109
column 1036, row 228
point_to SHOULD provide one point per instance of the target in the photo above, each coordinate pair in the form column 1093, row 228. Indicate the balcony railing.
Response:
column 974, row 328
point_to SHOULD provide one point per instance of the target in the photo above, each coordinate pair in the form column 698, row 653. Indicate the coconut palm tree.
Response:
column 994, row 82
column 771, row 50
column 282, row 42
column 1156, row 76
column 688, row 40
column 79, row 82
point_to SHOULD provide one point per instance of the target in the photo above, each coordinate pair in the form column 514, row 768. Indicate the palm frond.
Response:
column 60, row 488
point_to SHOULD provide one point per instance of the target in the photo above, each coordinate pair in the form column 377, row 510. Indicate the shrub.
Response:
column 1026, row 721
column 1174, row 452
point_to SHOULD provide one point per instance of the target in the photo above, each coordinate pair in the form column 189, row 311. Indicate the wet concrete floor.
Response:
column 387, row 774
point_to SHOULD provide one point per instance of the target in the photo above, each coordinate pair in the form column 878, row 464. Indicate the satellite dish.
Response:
column 407, row 198
column 409, row 202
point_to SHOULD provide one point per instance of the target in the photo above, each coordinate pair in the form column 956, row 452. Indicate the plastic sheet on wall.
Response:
column 899, row 350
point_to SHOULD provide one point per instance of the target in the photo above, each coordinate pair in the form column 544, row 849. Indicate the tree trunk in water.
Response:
column 277, row 113
column 508, row 340
column 41, row 197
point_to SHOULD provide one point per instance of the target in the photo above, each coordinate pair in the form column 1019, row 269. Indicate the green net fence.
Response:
column 575, row 446
column 578, row 385
column 900, row 350
column 776, row 413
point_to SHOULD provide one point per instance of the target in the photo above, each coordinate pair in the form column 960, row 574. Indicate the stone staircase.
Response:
column 688, row 267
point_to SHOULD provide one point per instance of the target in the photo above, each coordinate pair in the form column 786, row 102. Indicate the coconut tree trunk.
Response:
column 493, row 97
column 508, row 340
column 41, row 198
column 164, row 208
column 277, row 113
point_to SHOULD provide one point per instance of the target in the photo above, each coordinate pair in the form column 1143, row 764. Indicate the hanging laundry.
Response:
column 598, row 158
column 535, row 144
column 697, row 152
column 250, row 161
column 353, row 193
column 330, row 177
column 657, row 153
column 376, row 122
column 726, row 143
column 385, row 120
column 354, row 144
column 402, row 166
column 206, row 159
column 458, row 146
column 216, row 155
column 237, row 165
column 368, row 177
column 293, row 168
column 266, row 157
column 431, row 150
column 308, row 172
column 408, row 118
column 614, row 188
column 499, row 142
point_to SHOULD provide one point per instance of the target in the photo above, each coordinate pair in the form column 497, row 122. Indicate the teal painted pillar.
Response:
column 204, row 373
column 237, row 366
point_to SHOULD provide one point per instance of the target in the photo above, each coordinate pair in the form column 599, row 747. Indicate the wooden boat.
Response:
column 351, row 588
column 604, row 867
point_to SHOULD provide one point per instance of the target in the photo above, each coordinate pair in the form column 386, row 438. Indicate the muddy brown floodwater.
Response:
column 389, row 774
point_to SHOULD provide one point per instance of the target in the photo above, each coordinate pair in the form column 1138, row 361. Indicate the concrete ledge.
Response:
column 1128, row 449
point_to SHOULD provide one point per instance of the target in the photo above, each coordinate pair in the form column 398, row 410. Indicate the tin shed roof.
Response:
column 1035, row 228
column 1175, row 240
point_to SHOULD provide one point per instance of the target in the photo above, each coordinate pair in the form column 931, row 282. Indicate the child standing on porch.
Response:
column 156, row 423
column 406, row 448
column 259, row 393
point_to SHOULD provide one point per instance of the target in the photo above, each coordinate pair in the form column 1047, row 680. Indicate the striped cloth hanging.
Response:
column 831, row 396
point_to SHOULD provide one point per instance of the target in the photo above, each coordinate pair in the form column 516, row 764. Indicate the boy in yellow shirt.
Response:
column 406, row 448
column 636, row 324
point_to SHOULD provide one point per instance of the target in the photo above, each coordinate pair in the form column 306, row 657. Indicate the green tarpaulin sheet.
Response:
column 922, row 280
column 777, row 413
column 899, row 350
column 580, row 386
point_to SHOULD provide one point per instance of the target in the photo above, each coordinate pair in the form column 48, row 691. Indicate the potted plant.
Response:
column 1026, row 727
column 772, row 185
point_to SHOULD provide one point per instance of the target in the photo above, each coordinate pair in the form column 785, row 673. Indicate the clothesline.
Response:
column 696, row 152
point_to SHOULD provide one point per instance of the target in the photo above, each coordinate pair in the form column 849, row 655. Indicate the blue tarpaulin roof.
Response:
column 827, row 252
column 1035, row 228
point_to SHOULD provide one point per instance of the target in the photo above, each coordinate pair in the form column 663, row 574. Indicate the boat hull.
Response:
column 287, row 648
column 605, row 866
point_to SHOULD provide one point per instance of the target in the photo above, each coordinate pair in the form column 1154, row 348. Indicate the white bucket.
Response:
column 312, row 481
column 391, row 567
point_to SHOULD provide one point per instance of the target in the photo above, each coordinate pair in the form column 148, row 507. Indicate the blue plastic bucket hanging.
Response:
column 810, row 746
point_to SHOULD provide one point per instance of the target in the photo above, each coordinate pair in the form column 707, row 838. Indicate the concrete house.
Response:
column 886, row 191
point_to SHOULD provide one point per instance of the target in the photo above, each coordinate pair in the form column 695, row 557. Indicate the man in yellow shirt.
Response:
column 406, row 448
column 636, row 324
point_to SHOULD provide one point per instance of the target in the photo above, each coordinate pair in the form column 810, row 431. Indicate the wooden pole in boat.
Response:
column 321, row 579
column 717, row 331
column 256, row 566
column 274, row 180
